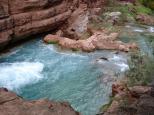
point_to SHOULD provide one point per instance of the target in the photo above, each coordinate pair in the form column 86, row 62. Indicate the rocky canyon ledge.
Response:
column 135, row 100
column 70, row 35
column 10, row 103
column 98, row 41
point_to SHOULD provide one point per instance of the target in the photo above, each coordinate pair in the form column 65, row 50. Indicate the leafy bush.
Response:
column 140, row 9
column 148, row 3
column 141, row 69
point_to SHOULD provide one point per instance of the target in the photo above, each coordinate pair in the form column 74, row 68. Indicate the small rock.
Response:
column 104, row 58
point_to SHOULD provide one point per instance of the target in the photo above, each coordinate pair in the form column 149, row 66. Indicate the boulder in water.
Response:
column 99, row 40
column 104, row 58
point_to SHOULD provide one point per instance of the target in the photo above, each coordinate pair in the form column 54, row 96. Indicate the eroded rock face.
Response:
column 22, row 18
column 12, row 104
column 136, row 100
column 77, row 22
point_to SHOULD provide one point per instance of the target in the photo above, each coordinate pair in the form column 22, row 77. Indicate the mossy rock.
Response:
column 52, row 42
column 75, row 49
column 105, row 107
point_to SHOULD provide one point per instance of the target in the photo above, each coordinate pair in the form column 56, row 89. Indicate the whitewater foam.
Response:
column 138, row 30
column 17, row 75
column 121, row 62
column 117, row 58
column 151, row 29
column 123, row 66
column 67, row 53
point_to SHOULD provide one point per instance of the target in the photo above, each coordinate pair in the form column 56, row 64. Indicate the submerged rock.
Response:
column 10, row 103
column 104, row 58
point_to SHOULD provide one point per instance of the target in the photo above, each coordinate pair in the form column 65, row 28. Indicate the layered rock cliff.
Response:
column 12, row 104
column 22, row 18
column 136, row 100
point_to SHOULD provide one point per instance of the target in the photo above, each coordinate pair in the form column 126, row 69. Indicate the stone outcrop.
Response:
column 136, row 100
column 12, row 104
column 77, row 22
column 98, row 41
column 22, row 18
column 145, row 19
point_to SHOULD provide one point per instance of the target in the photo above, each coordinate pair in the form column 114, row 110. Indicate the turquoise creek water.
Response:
column 35, row 70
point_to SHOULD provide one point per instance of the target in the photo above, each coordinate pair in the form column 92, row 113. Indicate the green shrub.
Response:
column 140, row 9
column 148, row 3
column 141, row 69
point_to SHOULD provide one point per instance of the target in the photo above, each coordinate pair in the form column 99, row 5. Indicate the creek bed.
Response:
column 35, row 70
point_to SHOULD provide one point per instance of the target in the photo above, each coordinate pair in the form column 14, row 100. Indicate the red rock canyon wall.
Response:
column 22, row 18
